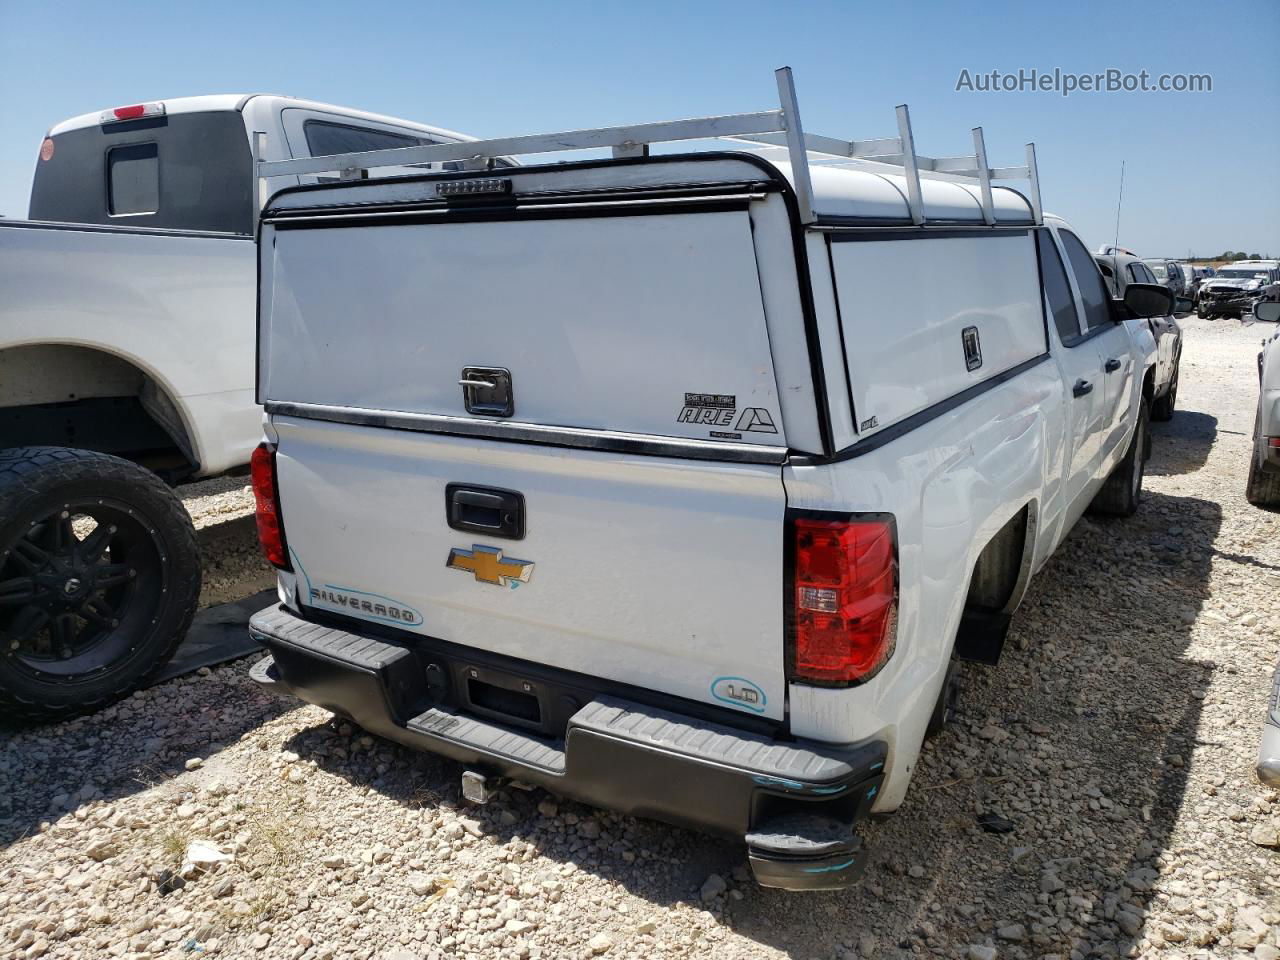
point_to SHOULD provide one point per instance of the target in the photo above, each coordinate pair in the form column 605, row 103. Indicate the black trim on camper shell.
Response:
column 879, row 234
column 508, row 432
column 527, row 199
column 892, row 432
column 439, row 214
column 772, row 175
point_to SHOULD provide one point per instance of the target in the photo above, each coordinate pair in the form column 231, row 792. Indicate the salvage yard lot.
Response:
column 1117, row 738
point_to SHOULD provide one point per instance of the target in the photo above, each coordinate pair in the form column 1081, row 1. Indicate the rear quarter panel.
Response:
column 951, row 484
column 178, row 307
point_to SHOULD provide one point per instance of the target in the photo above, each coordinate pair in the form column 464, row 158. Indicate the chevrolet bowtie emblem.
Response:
column 488, row 565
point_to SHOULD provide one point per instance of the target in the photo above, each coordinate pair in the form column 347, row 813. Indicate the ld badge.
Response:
column 488, row 565
column 739, row 692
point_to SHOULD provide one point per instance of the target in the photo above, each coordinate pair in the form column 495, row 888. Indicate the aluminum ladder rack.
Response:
column 780, row 127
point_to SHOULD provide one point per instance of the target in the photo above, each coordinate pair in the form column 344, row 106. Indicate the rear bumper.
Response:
column 793, row 802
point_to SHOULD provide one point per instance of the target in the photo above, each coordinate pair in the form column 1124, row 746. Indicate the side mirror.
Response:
column 1144, row 300
column 1267, row 312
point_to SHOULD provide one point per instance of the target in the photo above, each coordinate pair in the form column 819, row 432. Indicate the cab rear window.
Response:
column 133, row 179
column 324, row 139
column 185, row 171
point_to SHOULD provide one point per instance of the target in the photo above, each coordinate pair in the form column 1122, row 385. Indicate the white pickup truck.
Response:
column 127, row 359
column 678, row 483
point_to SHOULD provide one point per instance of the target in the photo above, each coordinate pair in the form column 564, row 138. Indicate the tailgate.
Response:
column 660, row 573
column 634, row 419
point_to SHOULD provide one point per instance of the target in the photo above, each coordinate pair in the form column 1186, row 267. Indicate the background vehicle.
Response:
column 1232, row 290
column 1198, row 276
column 1188, row 281
column 1121, row 270
column 1169, row 274
column 721, row 585
column 126, row 359
column 1263, row 485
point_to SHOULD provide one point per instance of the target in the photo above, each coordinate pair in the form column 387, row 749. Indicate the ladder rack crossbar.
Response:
column 780, row 127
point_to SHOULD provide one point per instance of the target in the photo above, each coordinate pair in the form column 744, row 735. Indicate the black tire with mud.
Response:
column 947, row 705
column 99, row 580
column 1120, row 495
column 1262, row 489
column 1162, row 409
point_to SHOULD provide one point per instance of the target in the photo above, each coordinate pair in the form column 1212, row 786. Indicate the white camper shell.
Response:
column 556, row 451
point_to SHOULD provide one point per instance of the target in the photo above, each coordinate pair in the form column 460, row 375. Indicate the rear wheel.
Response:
column 944, row 711
column 1162, row 409
column 1120, row 495
column 99, row 579
column 1262, row 489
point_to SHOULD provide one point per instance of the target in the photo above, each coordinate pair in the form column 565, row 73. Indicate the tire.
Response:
column 99, row 580
column 944, row 710
column 1262, row 489
column 1122, row 492
column 1201, row 312
column 1162, row 409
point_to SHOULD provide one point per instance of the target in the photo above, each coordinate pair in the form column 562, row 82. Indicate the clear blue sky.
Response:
column 1203, row 169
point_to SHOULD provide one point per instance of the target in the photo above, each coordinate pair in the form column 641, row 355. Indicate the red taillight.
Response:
column 1273, row 441
column 130, row 113
column 844, row 598
column 266, row 492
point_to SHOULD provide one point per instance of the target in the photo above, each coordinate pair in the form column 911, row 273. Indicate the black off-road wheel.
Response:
column 1162, row 409
column 1201, row 312
column 1120, row 495
column 99, row 580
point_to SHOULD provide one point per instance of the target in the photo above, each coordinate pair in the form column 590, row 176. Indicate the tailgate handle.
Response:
column 487, row 510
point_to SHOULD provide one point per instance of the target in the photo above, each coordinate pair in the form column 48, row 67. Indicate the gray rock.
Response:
column 1128, row 922
column 978, row 951
column 1013, row 932
column 1266, row 834
column 1049, row 883
column 713, row 887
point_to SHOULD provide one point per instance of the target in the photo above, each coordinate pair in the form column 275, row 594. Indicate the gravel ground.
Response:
column 1117, row 737
column 222, row 510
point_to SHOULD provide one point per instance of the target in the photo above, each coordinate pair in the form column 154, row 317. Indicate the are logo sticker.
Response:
column 721, row 410
column 739, row 692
